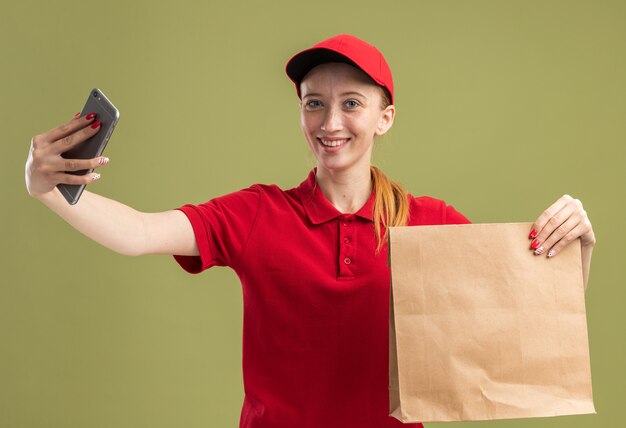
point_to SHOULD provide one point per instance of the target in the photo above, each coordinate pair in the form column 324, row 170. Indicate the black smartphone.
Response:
column 108, row 116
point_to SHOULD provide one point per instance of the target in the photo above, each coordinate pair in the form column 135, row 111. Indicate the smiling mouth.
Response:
column 333, row 143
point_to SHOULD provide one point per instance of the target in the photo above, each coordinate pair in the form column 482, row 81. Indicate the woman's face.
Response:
column 341, row 114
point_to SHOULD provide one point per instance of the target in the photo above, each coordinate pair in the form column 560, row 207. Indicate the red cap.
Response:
column 342, row 48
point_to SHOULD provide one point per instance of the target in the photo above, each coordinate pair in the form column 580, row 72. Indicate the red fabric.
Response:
column 358, row 52
column 316, row 302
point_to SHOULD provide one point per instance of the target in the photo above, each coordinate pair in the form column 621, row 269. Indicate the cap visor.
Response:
column 305, row 61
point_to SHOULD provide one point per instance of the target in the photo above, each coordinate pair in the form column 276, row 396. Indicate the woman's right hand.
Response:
column 45, row 167
column 106, row 221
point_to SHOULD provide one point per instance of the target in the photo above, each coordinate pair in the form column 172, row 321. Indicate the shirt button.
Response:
column 346, row 240
column 347, row 260
column 345, row 223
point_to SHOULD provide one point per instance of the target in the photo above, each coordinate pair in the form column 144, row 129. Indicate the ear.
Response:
column 386, row 119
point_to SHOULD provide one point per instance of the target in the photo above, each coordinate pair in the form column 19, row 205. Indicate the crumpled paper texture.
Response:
column 481, row 328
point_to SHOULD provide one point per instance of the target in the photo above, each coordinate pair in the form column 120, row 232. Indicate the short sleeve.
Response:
column 425, row 210
column 452, row 216
column 222, row 227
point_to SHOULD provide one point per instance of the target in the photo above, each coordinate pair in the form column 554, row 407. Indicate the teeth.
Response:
column 334, row 143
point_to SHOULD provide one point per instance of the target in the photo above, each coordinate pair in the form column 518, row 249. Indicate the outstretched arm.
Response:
column 108, row 222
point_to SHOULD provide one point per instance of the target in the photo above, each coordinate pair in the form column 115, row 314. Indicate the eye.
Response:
column 312, row 104
column 351, row 104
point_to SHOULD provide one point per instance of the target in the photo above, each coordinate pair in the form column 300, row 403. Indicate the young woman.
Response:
column 311, row 259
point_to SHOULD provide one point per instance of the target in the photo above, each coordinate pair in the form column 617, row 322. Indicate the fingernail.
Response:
column 95, row 124
column 90, row 116
column 533, row 234
column 95, row 176
column 76, row 115
column 534, row 244
column 551, row 253
column 539, row 250
column 103, row 161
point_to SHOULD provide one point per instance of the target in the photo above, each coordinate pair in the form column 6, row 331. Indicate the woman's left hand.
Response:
column 559, row 225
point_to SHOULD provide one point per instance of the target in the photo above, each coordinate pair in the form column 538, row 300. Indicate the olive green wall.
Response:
column 503, row 106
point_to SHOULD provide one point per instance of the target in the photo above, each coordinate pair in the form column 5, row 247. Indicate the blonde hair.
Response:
column 391, row 205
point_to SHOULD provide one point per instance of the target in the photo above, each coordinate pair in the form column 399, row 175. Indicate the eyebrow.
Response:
column 353, row 93
column 315, row 94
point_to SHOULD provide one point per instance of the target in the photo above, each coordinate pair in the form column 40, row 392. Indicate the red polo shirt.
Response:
column 316, row 302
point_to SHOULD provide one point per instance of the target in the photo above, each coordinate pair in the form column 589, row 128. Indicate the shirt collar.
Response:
column 319, row 209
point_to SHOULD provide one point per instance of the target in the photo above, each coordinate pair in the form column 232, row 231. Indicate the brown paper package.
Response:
column 481, row 328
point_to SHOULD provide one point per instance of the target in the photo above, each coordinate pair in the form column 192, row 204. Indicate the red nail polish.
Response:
column 76, row 115
column 534, row 244
column 90, row 116
column 95, row 124
column 533, row 234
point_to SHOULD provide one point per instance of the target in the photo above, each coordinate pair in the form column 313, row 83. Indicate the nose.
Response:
column 332, row 120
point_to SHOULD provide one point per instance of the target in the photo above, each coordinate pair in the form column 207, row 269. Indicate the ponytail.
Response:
column 391, row 205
